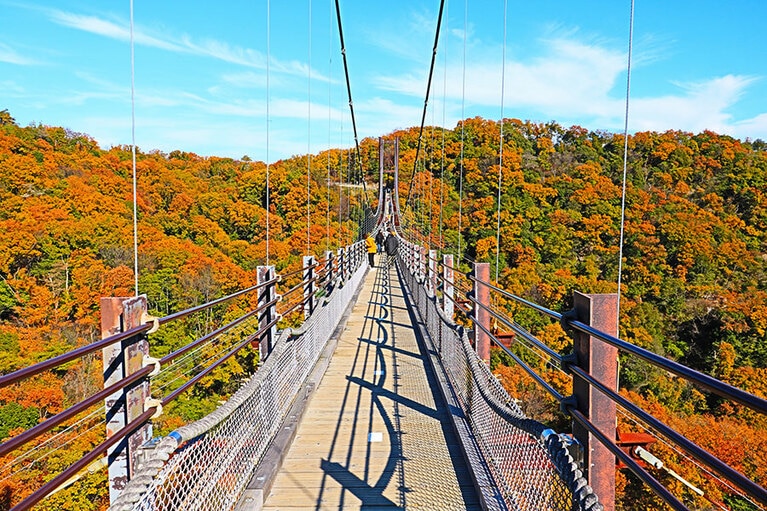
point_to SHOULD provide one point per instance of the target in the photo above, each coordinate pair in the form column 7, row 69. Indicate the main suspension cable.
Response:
column 349, row 90
column 426, row 99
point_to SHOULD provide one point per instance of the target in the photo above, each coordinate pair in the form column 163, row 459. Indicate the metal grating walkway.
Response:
column 375, row 435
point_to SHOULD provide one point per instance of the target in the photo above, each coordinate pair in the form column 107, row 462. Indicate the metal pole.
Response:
column 121, row 360
column 448, row 292
column 482, row 295
column 266, row 295
column 600, row 360
column 310, row 286
column 433, row 272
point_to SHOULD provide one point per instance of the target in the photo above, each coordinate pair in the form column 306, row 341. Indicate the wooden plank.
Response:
column 375, row 435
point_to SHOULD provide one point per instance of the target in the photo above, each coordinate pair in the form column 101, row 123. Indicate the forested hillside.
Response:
column 694, row 284
column 694, row 267
column 66, row 239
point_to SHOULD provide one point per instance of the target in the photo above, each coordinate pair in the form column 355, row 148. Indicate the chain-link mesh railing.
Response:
column 530, row 466
column 207, row 464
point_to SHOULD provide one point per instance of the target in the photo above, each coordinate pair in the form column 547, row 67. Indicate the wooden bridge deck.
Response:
column 375, row 436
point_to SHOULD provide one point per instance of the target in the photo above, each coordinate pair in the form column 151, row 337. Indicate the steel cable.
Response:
column 426, row 99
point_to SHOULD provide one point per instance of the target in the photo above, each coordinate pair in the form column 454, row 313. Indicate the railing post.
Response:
column 310, row 286
column 448, row 290
column 121, row 360
column 268, row 314
column 422, row 263
column 348, row 254
column 341, row 265
column 433, row 272
column 601, row 361
column 482, row 296
column 328, row 280
column 359, row 256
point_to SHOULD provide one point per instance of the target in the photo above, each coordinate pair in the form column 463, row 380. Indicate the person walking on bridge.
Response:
column 391, row 244
column 370, row 242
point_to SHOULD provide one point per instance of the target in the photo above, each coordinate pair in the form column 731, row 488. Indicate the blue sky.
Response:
column 201, row 68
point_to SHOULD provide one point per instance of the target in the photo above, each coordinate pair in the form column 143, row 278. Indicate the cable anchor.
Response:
column 153, row 403
column 147, row 361
column 148, row 318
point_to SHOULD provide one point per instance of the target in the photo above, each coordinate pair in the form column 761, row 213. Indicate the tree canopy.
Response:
column 694, row 283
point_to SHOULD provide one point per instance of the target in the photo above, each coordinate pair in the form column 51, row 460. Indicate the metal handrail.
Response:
column 518, row 329
column 83, row 462
column 690, row 447
column 300, row 285
column 188, row 347
column 192, row 381
column 716, row 386
column 457, row 270
column 45, row 365
column 296, row 272
column 50, row 423
column 217, row 301
column 631, row 463
column 293, row 307
column 347, row 259
column 529, row 370
column 720, row 388
column 532, row 305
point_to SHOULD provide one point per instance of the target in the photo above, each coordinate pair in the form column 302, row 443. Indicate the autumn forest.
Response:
column 694, row 268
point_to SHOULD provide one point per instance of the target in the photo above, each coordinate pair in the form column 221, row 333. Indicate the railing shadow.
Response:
column 379, row 340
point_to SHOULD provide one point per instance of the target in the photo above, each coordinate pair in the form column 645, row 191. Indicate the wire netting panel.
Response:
column 207, row 465
column 529, row 464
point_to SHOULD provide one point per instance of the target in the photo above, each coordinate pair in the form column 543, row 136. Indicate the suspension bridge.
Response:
column 379, row 399
column 382, row 396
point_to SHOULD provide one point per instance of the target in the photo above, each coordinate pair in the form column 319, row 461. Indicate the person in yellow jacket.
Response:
column 370, row 242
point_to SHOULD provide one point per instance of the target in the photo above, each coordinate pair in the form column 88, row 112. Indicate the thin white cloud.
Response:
column 111, row 29
column 582, row 82
column 753, row 128
column 245, row 80
column 220, row 50
column 569, row 74
column 211, row 48
column 10, row 88
column 413, row 40
column 699, row 106
column 11, row 56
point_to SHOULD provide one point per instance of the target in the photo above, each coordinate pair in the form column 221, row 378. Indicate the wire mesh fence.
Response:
column 530, row 466
column 208, row 464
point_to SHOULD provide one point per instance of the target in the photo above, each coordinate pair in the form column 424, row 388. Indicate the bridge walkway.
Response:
column 376, row 434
